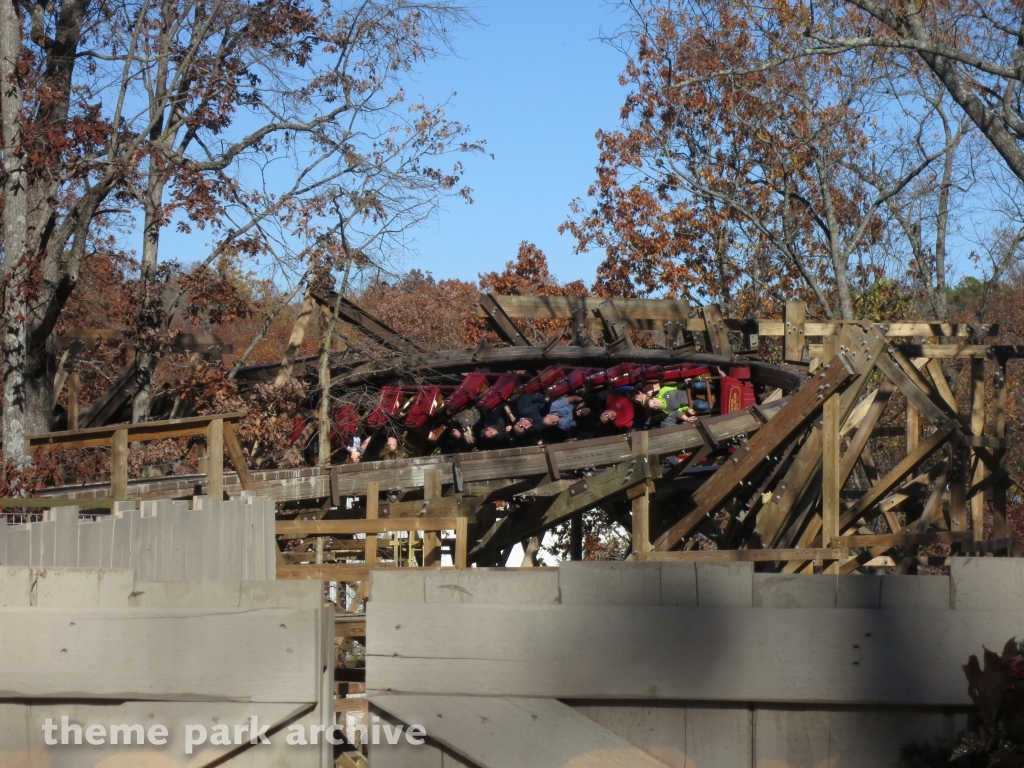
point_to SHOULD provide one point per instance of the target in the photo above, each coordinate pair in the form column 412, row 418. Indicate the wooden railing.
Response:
column 218, row 429
column 359, row 571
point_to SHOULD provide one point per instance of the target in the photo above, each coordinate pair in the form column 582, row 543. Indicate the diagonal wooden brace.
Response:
column 794, row 417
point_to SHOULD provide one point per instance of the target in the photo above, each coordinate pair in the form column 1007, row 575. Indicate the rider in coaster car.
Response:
column 619, row 411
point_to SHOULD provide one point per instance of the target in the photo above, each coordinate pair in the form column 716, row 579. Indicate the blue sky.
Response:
column 533, row 81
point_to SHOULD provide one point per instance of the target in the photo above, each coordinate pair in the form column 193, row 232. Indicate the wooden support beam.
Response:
column 501, row 323
column 938, row 377
column 866, row 348
column 959, row 469
column 791, row 419
column 237, row 456
column 119, row 465
column 431, row 541
column 461, row 553
column 913, row 428
column 895, row 477
column 351, row 313
column 717, row 334
column 830, row 481
column 743, row 555
column 616, row 332
column 795, row 338
column 901, row 372
column 137, row 433
column 444, row 506
column 978, row 429
column 113, row 399
column 1000, row 527
column 297, row 529
column 585, row 494
column 860, row 440
column 641, row 504
column 74, row 386
column 215, row 459
column 343, row 572
column 951, row 351
column 902, row 539
column 649, row 314
column 372, row 503
column 580, row 338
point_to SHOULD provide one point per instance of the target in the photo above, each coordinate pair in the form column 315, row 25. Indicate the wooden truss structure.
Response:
column 789, row 482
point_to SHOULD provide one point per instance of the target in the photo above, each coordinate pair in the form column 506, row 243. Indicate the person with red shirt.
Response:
column 619, row 411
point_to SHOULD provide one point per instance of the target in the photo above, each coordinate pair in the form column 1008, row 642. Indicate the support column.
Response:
column 431, row 539
column 74, row 384
column 215, row 459
column 372, row 506
column 119, row 466
column 796, row 314
column 639, row 443
column 978, row 428
column 830, row 482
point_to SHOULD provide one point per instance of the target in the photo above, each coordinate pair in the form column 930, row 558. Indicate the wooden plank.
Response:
column 675, row 653
column 237, row 456
column 295, row 529
column 119, row 465
column 895, row 477
column 791, row 419
column 445, row 506
column 372, row 505
column 160, row 655
column 744, row 555
column 902, row 539
column 215, row 458
column 641, row 504
column 945, row 351
column 795, row 338
column 830, row 480
column 497, row 732
column 500, row 322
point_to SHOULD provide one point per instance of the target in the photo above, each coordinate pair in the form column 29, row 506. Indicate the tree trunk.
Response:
column 17, row 263
column 150, row 324
column 325, row 377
